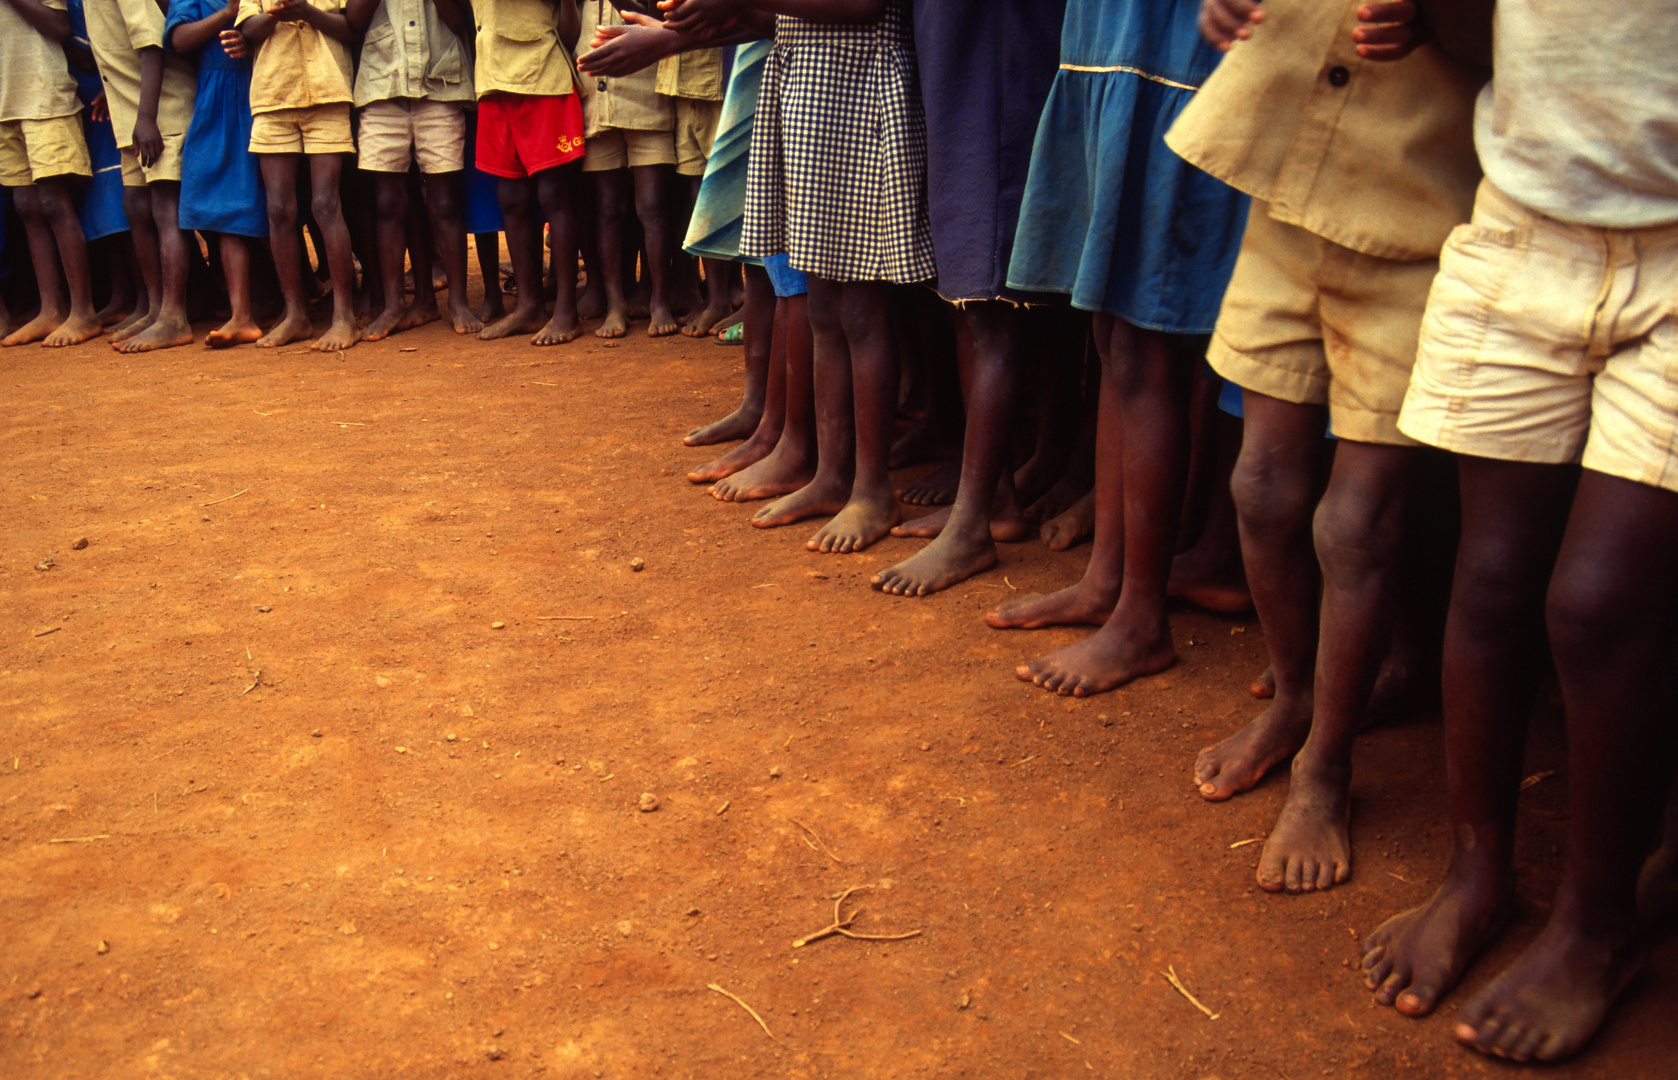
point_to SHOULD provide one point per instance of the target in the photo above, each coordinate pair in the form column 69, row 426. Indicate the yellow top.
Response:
column 696, row 74
column 298, row 66
column 519, row 51
column 35, row 81
column 410, row 52
column 1377, row 157
column 117, row 30
column 629, row 103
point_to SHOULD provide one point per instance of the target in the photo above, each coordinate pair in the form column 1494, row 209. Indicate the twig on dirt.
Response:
column 736, row 999
column 1170, row 973
column 565, row 618
column 1537, row 778
column 767, row 585
column 723, row 808
column 1070, row 1039
column 230, row 498
column 841, row 926
column 1022, row 761
column 1396, row 877
column 607, row 777
column 1244, row 843
column 253, row 685
column 48, row 630
column 79, row 839
column 1010, row 584
column 818, row 840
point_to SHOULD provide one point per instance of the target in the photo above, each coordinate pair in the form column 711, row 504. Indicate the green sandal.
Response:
column 732, row 335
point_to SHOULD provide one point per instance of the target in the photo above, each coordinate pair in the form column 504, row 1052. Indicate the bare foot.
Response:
column 738, row 424
column 1006, row 526
column 1554, row 997
column 123, row 324
column 927, row 527
column 781, row 473
column 750, row 452
column 1264, row 687
column 948, row 560
column 1416, row 957
column 591, row 302
column 233, row 333
column 35, row 329
column 293, row 326
column 661, row 322
column 1038, row 475
column 1310, row 846
column 811, row 500
column 1112, row 656
column 417, row 316
column 700, row 323
column 165, row 333
column 493, row 310
column 339, row 336
column 864, row 520
column 615, row 326
column 75, row 330
column 464, row 321
column 1221, row 589
column 1076, row 605
column 559, row 330
column 937, row 488
column 388, row 323
column 132, row 327
column 1239, row 762
column 520, row 320
column 1058, row 499
column 115, row 311
column 1071, row 526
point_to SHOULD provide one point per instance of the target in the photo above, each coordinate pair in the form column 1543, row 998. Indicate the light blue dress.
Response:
column 720, row 210
column 1111, row 216
column 221, row 183
column 101, row 210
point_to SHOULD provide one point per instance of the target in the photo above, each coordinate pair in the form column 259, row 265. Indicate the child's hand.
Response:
column 1391, row 31
column 1224, row 22
column 701, row 18
column 626, row 50
column 148, row 141
column 98, row 110
column 290, row 10
column 234, row 44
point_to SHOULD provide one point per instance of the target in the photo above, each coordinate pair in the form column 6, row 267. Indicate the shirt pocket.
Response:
column 447, row 67
column 520, row 57
column 378, row 60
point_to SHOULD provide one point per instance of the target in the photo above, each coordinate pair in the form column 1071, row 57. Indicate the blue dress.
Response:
column 101, row 208
column 483, row 208
column 720, row 211
column 221, row 183
column 986, row 67
column 1126, row 227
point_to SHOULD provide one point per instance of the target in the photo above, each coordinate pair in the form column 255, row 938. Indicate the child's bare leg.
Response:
column 830, row 484
column 792, row 464
column 871, row 510
column 136, row 282
column 443, row 196
column 1152, row 379
column 170, row 327
column 717, row 307
column 82, row 323
column 324, row 173
column 656, row 226
column 764, row 402
column 524, row 246
column 966, row 545
column 390, row 205
column 1611, row 619
column 554, row 189
column 1276, row 485
column 1209, row 574
column 614, row 206
column 1358, row 532
column 52, row 228
column 285, row 240
column 117, row 263
column 494, row 307
column 1058, row 351
column 422, row 257
column 1513, row 516
column 236, row 265
column 924, row 319
column 142, row 233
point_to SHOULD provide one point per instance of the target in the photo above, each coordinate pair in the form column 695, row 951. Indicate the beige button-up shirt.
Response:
column 630, row 103
column 117, row 30
column 519, row 50
column 35, row 81
column 298, row 67
column 1377, row 157
column 695, row 74
column 410, row 52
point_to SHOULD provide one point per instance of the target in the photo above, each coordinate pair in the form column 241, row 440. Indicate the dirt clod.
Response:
column 649, row 802
column 79, row 545
column 637, row 564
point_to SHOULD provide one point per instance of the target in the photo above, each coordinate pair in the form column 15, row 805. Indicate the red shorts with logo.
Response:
column 520, row 135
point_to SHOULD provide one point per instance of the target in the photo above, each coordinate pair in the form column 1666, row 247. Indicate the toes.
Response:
column 1419, row 1000
column 1329, row 875
column 1294, row 878
column 1388, row 987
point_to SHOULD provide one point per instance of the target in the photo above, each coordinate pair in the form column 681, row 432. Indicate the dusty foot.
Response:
column 233, row 333
column 418, row 316
column 493, row 309
column 293, row 326
column 937, row 488
column 123, row 324
column 74, row 331
column 776, row 475
column 1006, row 527
column 1071, row 526
column 559, row 330
column 519, row 321
column 35, row 329
column 615, row 326
column 464, row 321
column 1058, row 499
column 948, row 560
column 1553, row 998
column 738, row 424
column 1112, row 656
column 388, row 323
column 927, row 527
column 1310, row 846
column 1075, row 605
column 863, row 521
column 114, row 312
column 1264, row 687
column 662, row 322
column 1416, row 957
column 135, row 326
column 341, row 335
column 165, row 333
column 750, row 452
column 1239, row 762
column 811, row 500
column 700, row 323
column 591, row 303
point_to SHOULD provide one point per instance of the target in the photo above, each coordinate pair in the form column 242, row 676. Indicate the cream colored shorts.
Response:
column 313, row 129
column 32, row 150
column 696, row 130
column 166, row 167
column 1309, row 321
column 617, row 148
column 1552, row 343
column 397, row 131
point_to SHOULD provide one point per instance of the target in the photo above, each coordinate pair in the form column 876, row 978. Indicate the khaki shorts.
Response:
column 32, row 150
column 395, row 132
column 1552, row 343
column 1309, row 321
column 696, row 130
column 313, row 129
column 617, row 148
column 166, row 167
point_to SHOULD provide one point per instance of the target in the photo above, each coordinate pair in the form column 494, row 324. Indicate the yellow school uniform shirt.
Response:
column 628, row 103
column 696, row 75
column 299, row 67
column 410, row 52
column 35, row 81
column 1376, row 157
column 117, row 30
column 519, row 51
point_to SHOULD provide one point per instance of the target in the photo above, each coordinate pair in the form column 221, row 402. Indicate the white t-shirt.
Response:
column 1580, row 120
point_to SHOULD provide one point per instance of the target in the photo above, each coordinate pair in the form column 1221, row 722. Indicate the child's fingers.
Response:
column 1398, row 11
column 1401, row 34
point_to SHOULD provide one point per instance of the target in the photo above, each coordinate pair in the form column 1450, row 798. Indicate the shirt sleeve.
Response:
column 180, row 13
column 144, row 22
column 247, row 8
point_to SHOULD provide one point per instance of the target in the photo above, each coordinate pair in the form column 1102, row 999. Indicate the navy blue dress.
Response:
column 101, row 210
column 221, row 183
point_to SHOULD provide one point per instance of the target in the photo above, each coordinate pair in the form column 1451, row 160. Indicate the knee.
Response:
column 1353, row 537
column 390, row 202
column 282, row 210
column 325, row 205
column 443, row 199
column 29, row 203
column 1586, row 618
column 1270, row 504
column 823, row 311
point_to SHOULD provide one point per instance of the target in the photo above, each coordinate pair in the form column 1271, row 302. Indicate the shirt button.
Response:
column 1339, row 76
column 601, row 85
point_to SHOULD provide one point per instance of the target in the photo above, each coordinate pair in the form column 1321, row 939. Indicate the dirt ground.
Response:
column 323, row 759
